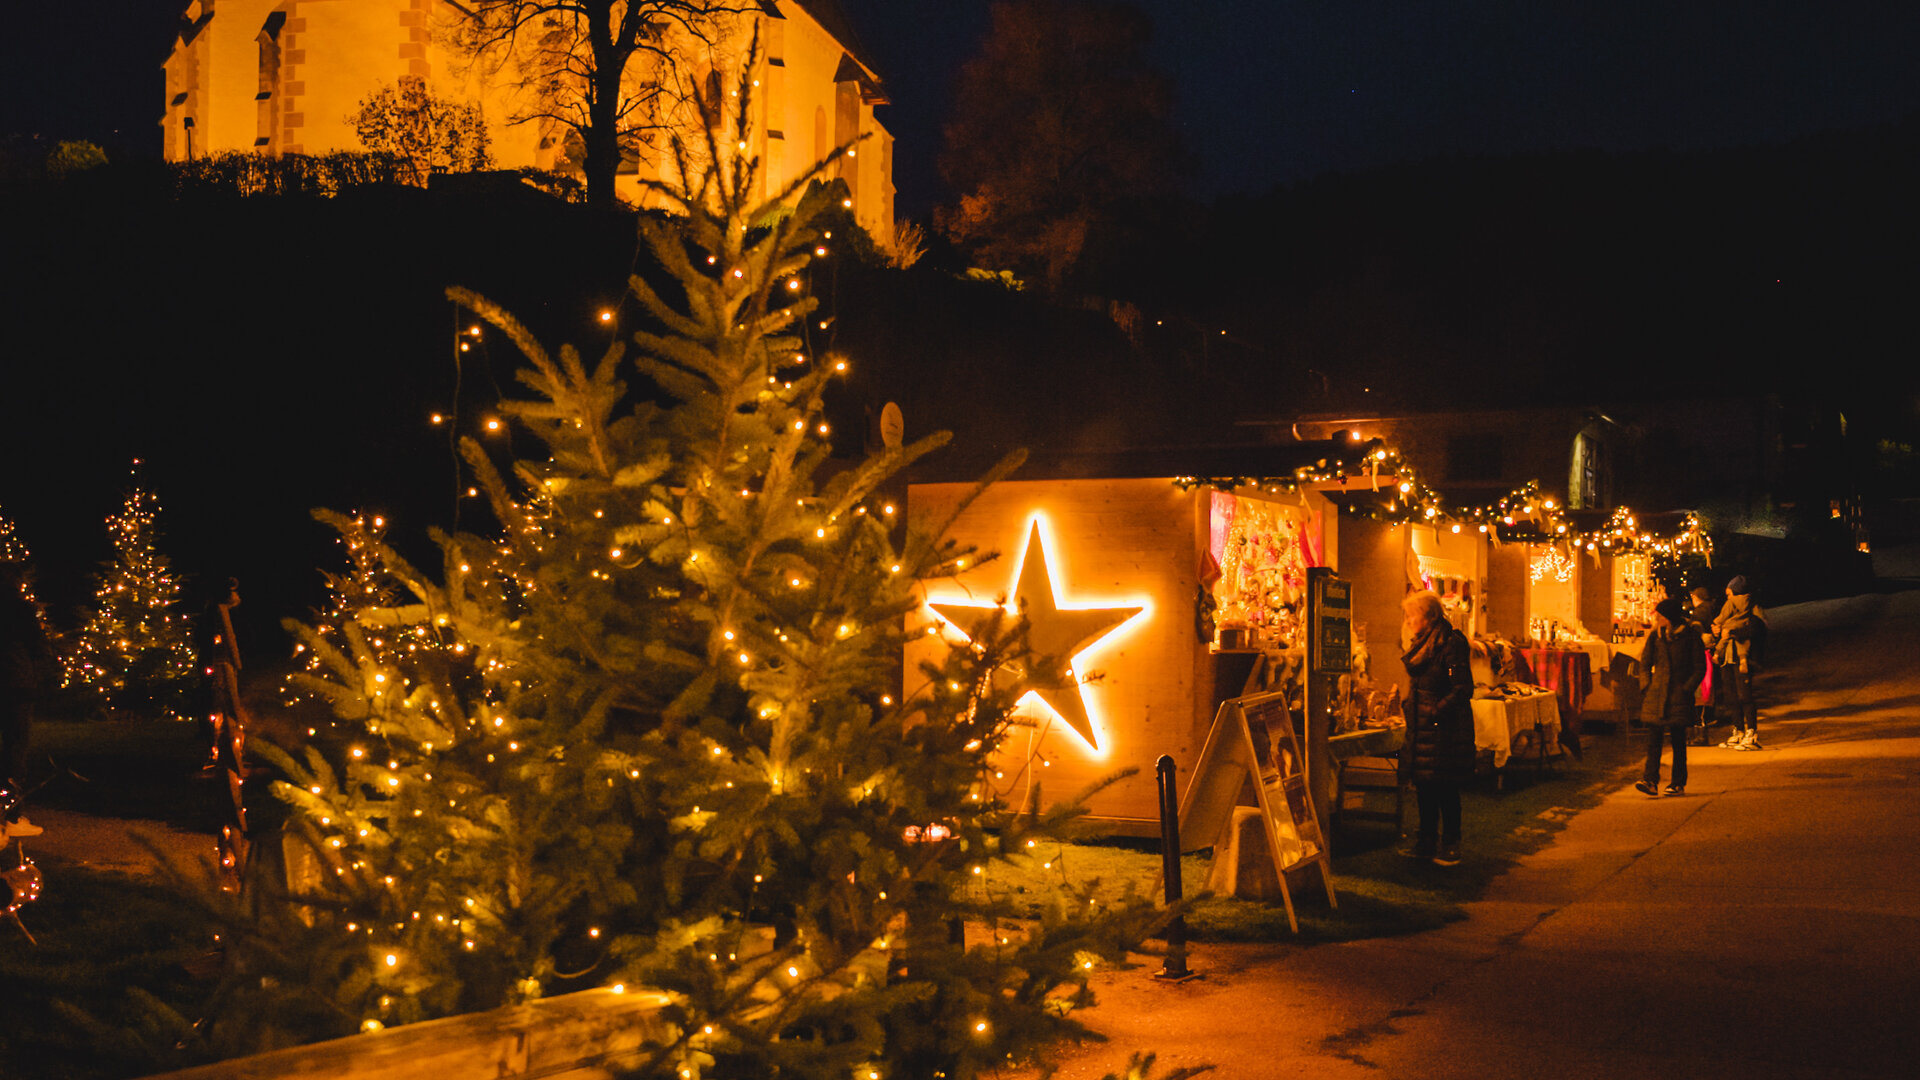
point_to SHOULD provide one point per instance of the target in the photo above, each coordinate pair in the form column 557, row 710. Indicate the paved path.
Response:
column 1765, row 925
column 106, row 843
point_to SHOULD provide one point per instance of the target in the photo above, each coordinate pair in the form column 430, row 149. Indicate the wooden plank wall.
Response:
column 1112, row 542
column 1507, row 591
column 1373, row 556
column 1596, row 594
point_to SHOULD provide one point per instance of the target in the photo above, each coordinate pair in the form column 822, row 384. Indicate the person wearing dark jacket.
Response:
column 1439, row 724
column 1671, row 669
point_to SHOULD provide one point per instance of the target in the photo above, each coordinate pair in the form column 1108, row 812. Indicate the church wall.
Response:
column 185, row 72
column 366, row 47
column 335, row 53
column 456, row 78
column 231, row 77
column 810, row 96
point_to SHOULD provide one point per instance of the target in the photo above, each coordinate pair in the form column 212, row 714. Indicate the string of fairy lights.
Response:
column 1524, row 515
column 14, row 550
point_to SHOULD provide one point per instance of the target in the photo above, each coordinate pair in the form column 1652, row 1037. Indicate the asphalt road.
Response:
column 1766, row 924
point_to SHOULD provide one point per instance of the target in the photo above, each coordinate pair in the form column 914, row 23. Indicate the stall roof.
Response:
column 1245, row 462
column 1658, row 522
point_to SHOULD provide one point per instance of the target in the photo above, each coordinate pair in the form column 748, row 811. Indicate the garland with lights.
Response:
column 134, row 653
column 647, row 732
column 1524, row 515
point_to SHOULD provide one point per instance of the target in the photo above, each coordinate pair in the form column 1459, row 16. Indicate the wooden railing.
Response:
column 590, row 1034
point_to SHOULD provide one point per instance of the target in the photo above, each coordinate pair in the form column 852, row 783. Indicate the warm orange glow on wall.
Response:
column 1062, row 626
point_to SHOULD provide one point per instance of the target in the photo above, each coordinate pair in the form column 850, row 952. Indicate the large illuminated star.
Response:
column 1055, row 634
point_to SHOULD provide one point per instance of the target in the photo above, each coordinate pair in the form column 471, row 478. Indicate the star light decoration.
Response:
column 1055, row 632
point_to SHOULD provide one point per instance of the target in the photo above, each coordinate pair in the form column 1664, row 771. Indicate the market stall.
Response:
column 1165, row 599
column 1564, row 592
column 1166, row 591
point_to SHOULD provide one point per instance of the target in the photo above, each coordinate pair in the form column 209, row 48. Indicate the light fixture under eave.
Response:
column 1068, row 630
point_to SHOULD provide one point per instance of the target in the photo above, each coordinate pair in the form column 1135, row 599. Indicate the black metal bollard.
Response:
column 1176, row 968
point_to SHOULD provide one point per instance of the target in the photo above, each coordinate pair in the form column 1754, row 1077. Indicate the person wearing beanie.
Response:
column 1672, row 666
column 1701, row 611
column 1736, row 630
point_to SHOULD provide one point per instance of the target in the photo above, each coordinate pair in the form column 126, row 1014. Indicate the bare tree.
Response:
column 1061, row 132
column 614, row 72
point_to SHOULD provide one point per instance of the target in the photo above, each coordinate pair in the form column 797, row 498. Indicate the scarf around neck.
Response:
column 1424, row 645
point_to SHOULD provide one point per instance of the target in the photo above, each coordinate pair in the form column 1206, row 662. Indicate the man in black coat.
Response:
column 1439, row 724
column 1671, row 669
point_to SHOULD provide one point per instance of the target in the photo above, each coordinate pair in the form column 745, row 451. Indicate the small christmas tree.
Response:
column 648, row 732
column 14, row 550
column 134, row 653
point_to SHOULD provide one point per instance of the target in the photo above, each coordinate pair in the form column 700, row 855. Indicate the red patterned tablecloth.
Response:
column 1566, row 672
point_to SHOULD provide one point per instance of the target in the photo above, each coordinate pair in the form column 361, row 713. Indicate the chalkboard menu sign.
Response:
column 1329, row 622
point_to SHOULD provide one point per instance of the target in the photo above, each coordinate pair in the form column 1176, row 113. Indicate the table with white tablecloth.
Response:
column 1499, row 721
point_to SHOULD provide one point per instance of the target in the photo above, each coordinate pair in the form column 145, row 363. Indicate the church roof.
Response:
column 833, row 19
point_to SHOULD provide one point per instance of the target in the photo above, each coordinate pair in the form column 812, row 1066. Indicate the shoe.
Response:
column 1673, row 790
column 1753, row 742
column 1419, row 849
column 1646, row 789
column 20, row 826
column 1448, row 855
column 1732, row 743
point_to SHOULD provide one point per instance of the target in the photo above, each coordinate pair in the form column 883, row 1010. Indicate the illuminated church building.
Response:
column 285, row 76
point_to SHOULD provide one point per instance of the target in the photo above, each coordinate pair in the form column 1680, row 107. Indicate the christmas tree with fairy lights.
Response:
column 646, row 732
column 14, row 551
column 133, row 656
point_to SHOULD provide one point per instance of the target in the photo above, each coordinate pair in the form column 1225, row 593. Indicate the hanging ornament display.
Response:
column 1262, row 553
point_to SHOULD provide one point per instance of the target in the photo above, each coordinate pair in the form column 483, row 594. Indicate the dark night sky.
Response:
column 1279, row 90
column 1270, row 90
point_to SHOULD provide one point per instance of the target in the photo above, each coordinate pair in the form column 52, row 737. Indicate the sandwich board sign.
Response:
column 1252, row 744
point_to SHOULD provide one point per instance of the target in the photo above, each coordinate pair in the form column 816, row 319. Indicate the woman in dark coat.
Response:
column 1671, row 669
column 1439, row 724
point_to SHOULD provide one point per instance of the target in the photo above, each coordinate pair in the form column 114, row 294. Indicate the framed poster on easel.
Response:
column 1252, row 743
